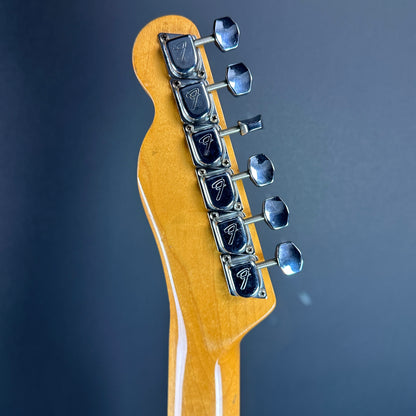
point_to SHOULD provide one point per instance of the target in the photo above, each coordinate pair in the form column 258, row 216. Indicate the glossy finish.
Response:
column 226, row 33
column 260, row 169
column 250, row 124
column 183, row 54
column 276, row 213
column 239, row 79
column 289, row 258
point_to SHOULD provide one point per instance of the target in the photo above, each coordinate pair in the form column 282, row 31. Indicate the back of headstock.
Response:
column 207, row 322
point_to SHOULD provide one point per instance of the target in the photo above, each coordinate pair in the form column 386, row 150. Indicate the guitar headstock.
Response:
column 192, row 190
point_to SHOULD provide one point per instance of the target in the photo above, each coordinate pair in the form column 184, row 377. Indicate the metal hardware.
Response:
column 275, row 214
column 238, row 79
column 219, row 191
column 244, row 126
column 226, row 35
column 217, row 182
column 260, row 170
column 182, row 59
column 243, row 277
column 287, row 256
column 207, row 147
column 231, row 233
column 195, row 105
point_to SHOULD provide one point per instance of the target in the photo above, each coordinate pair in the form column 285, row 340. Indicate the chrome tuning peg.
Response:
column 243, row 273
column 238, row 79
column 260, row 170
column 226, row 35
column 218, row 186
column 181, row 54
column 287, row 256
column 231, row 232
column 196, row 104
column 275, row 214
column 244, row 126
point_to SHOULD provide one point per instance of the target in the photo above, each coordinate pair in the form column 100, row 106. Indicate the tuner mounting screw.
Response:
column 226, row 163
column 226, row 258
column 238, row 206
column 202, row 172
column 249, row 250
column 201, row 73
column 262, row 293
column 176, row 83
column 214, row 118
column 213, row 215
column 164, row 36
column 189, row 128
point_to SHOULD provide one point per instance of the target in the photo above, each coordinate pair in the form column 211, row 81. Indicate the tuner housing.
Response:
column 243, row 277
column 193, row 68
column 207, row 147
column 232, row 235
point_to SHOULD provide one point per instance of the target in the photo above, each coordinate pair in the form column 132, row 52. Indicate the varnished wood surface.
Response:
column 206, row 322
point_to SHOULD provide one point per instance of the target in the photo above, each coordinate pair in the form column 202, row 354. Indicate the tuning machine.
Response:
column 243, row 272
column 194, row 100
column 207, row 145
column 182, row 54
column 231, row 229
column 219, row 188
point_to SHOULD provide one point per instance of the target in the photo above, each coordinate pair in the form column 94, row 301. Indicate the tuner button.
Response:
column 275, row 214
column 239, row 79
column 226, row 33
column 289, row 258
column 260, row 169
column 250, row 124
column 244, row 126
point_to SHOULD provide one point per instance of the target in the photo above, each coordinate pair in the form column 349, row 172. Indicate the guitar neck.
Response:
column 218, row 284
column 201, row 382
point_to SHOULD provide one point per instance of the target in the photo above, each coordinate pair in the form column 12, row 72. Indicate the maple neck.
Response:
column 201, row 382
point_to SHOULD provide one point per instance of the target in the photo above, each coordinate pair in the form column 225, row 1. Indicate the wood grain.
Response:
column 206, row 322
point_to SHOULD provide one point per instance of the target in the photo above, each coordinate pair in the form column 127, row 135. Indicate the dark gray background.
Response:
column 83, row 304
